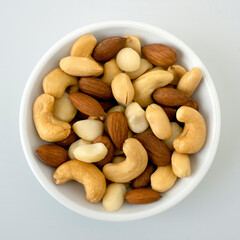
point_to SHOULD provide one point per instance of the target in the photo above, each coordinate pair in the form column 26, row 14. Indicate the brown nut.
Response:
column 117, row 128
column 160, row 54
column 171, row 113
column 108, row 48
column 143, row 180
column 95, row 88
column 142, row 196
column 52, row 155
column 157, row 150
column 108, row 144
column 69, row 140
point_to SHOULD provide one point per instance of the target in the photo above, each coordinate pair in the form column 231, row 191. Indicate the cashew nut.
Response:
column 145, row 85
column 48, row 127
column 88, row 129
column 114, row 197
column 111, row 69
column 122, row 88
column 158, row 121
column 56, row 82
column 155, row 69
column 63, row 109
column 181, row 164
column 134, row 43
column 90, row 152
column 84, row 46
column 176, row 131
column 193, row 137
column 136, row 118
column 81, row 66
column 177, row 71
column 74, row 145
column 144, row 66
column 134, row 164
column 86, row 173
column 128, row 60
column 189, row 82
column 163, row 179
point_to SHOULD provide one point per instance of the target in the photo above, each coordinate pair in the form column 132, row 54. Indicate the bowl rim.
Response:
column 106, row 216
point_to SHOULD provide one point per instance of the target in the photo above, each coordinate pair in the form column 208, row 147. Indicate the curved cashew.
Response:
column 135, row 163
column 181, row 164
column 193, row 137
column 90, row 152
column 134, row 43
column 158, row 121
column 48, row 127
column 145, row 85
column 190, row 80
column 63, row 109
column 74, row 145
column 88, row 129
column 84, row 46
column 136, row 118
column 86, row 173
column 122, row 88
column 163, row 179
column 144, row 66
column 81, row 66
column 114, row 197
column 176, row 131
column 111, row 69
column 56, row 82
column 177, row 71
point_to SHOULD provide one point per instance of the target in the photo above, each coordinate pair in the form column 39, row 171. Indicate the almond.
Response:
column 108, row 48
column 171, row 113
column 173, row 98
column 192, row 103
column 72, row 137
column 108, row 144
column 158, row 152
column 86, row 104
column 106, row 105
column 142, row 196
column 160, row 54
column 143, row 180
column 52, row 155
column 95, row 88
column 117, row 128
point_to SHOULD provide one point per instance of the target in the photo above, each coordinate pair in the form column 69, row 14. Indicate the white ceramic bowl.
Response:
column 72, row 194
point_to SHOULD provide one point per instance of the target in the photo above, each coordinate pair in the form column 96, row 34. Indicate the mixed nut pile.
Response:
column 131, row 121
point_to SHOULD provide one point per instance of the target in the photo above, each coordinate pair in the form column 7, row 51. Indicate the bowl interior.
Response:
column 72, row 194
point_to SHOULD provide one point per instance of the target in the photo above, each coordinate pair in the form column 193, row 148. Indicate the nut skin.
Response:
column 194, row 134
column 157, row 150
column 108, row 48
column 69, row 140
column 163, row 178
column 173, row 98
column 109, row 145
column 84, row 46
column 52, row 155
column 142, row 196
column 56, row 82
column 95, row 88
column 135, row 163
column 86, row 173
column 86, row 104
column 143, row 180
column 117, row 128
column 160, row 54
column 171, row 113
column 48, row 127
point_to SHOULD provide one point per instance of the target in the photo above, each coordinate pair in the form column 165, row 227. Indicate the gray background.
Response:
column 29, row 28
